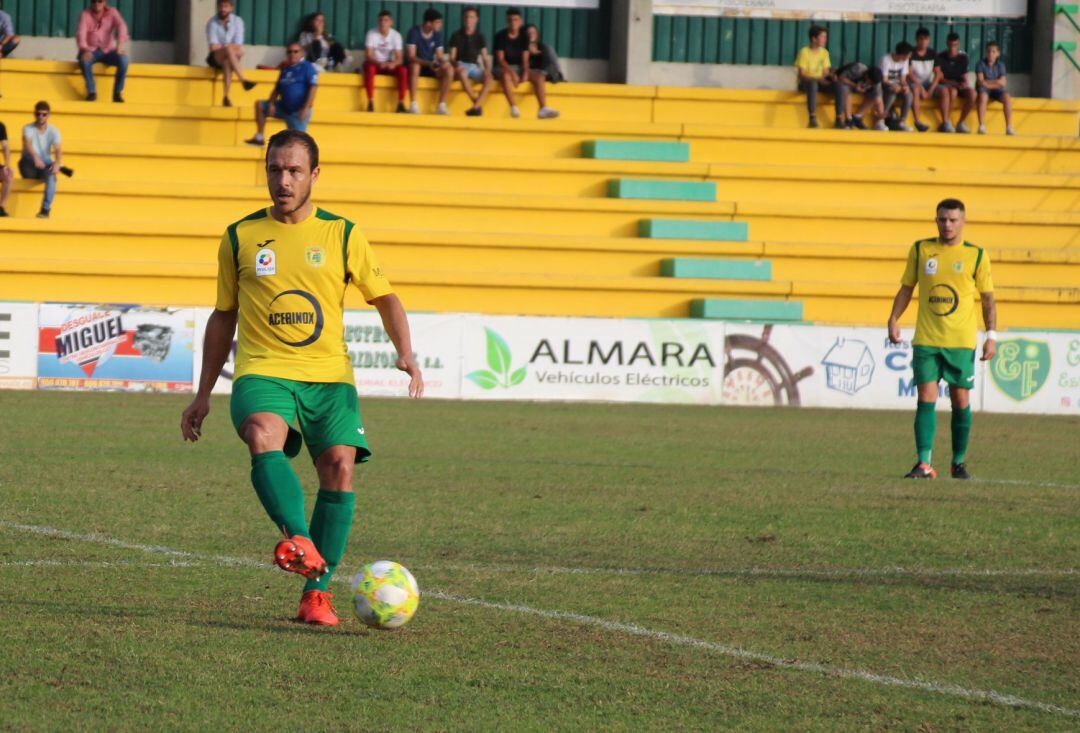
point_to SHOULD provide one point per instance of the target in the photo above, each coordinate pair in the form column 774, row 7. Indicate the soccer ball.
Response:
column 385, row 595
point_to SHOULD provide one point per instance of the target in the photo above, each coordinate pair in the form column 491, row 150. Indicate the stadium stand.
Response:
column 641, row 201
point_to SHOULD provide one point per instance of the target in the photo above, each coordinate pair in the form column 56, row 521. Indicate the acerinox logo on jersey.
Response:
column 295, row 317
column 943, row 300
column 265, row 263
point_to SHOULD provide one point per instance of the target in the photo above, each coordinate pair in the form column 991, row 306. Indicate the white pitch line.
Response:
column 1021, row 482
column 989, row 696
column 96, row 564
column 752, row 572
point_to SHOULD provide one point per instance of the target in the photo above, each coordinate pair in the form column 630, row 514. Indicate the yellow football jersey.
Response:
column 288, row 281
column 948, row 277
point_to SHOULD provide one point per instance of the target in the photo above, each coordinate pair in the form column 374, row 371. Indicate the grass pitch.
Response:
column 679, row 537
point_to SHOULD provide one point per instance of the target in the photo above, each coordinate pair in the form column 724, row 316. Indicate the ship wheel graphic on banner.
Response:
column 756, row 374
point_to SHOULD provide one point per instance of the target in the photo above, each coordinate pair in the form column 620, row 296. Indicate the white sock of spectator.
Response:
column 414, row 108
column 514, row 111
column 547, row 113
column 442, row 109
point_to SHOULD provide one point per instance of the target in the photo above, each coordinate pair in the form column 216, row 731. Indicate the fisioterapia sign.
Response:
column 851, row 9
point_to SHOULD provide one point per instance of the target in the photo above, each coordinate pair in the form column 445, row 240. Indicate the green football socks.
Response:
column 925, row 427
column 279, row 491
column 961, row 431
column 330, row 525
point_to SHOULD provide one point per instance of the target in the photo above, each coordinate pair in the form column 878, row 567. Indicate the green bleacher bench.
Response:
column 668, row 152
column 632, row 188
column 716, row 231
column 733, row 309
column 711, row 269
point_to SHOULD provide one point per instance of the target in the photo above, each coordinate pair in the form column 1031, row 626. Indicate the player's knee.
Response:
column 260, row 435
column 336, row 466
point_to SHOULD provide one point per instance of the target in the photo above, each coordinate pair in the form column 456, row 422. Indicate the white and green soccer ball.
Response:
column 385, row 595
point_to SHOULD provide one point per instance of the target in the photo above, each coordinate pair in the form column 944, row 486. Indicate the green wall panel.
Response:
column 574, row 33
column 148, row 20
column 771, row 42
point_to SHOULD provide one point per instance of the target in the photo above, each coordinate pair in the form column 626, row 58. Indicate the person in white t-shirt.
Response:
column 894, row 83
column 385, row 56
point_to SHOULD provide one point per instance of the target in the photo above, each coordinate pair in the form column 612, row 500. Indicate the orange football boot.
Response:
column 316, row 608
column 298, row 555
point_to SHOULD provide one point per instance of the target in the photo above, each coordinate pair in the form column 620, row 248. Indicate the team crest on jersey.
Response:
column 958, row 266
column 931, row 266
column 314, row 256
column 265, row 263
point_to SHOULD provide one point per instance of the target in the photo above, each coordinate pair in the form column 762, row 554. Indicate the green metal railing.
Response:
column 148, row 20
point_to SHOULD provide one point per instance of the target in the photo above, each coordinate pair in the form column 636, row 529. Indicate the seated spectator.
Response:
column 815, row 72
column 293, row 96
column 894, row 75
column 8, row 39
column 858, row 77
column 7, row 176
column 470, row 60
column 384, row 55
column 542, row 57
column 101, row 35
column 950, row 69
column 427, row 57
column 921, row 76
column 990, row 81
column 512, row 65
column 225, row 35
column 320, row 47
column 41, row 155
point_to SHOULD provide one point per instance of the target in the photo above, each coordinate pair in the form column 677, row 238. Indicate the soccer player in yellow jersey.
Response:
column 948, row 271
column 282, row 274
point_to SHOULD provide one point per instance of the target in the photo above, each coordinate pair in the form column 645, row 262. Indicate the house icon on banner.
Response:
column 849, row 366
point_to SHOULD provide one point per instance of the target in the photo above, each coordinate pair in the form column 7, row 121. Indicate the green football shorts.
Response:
column 328, row 412
column 934, row 363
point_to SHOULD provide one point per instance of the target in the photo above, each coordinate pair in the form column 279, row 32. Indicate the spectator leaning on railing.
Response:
column 225, row 36
column 991, row 79
column 470, row 59
column 921, row 76
column 320, row 47
column 293, row 96
column 102, row 35
column 427, row 57
column 41, row 155
column 814, row 68
column 950, row 68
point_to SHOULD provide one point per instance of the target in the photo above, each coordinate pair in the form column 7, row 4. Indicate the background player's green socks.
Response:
column 925, row 427
column 330, row 525
column 279, row 491
column 961, row 431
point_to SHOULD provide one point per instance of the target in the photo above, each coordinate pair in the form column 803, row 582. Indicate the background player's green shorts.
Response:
column 328, row 412
column 934, row 363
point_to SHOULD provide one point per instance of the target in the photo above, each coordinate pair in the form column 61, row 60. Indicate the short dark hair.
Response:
column 42, row 106
column 922, row 33
column 385, row 13
column 947, row 204
column 469, row 9
column 431, row 15
column 295, row 137
column 815, row 31
column 993, row 44
column 513, row 11
column 903, row 48
column 954, row 36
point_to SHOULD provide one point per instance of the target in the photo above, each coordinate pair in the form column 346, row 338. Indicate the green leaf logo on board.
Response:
column 498, row 358
column 1021, row 367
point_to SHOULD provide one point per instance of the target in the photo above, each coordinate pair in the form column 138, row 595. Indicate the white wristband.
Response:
column 991, row 335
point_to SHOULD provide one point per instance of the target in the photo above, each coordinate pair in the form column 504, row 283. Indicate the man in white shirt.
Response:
column 385, row 56
column 41, row 155
column 921, row 76
column 894, row 76
column 225, row 34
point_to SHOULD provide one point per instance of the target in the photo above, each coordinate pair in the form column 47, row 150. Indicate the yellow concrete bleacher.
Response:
column 506, row 216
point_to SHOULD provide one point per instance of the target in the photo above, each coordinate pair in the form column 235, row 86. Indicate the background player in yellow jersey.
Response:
column 948, row 271
column 282, row 274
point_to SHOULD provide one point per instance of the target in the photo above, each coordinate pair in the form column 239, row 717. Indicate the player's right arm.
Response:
column 217, row 343
column 903, row 295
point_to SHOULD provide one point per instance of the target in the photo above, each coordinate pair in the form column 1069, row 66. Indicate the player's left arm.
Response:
column 396, row 324
column 985, row 286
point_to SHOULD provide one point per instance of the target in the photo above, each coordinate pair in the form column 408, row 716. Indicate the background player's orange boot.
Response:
column 298, row 555
column 316, row 608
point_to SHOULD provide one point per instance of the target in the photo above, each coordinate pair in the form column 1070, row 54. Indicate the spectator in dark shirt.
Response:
column 512, row 65
column 950, row 72
column 470, row 60
column 542, row 57
column 320, row 47
column 859, row 78
column 6, row 174
column 990, row 78
column 427, row 57
column 293, row 96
